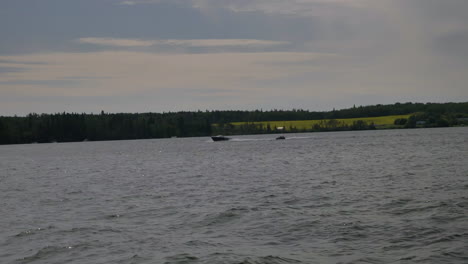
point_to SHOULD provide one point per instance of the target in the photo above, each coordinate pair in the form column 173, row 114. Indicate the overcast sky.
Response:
column 172, row 55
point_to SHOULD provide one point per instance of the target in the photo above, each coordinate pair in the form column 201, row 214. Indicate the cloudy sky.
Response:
column 171, row 55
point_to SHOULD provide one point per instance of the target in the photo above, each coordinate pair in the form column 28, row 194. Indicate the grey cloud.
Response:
column 10, row 69
column 292, row 7
column 453, row 43
column 383, row 51
column 2, row 61
column 52, row 25
column 49, row 83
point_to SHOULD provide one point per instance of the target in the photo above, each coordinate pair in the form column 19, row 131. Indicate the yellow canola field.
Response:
column 307, row 124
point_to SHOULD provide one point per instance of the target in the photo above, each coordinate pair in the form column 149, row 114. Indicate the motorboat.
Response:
column 220, row 138
column 280, row 137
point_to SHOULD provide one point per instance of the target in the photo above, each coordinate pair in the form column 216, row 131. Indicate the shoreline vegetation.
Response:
column 75, row 127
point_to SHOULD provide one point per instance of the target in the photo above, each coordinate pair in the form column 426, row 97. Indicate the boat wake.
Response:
column 251, row 139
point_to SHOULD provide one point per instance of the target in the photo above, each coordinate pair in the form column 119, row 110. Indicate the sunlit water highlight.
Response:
column 396, row 196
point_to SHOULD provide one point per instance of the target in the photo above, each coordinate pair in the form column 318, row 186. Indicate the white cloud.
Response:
column 119, row 42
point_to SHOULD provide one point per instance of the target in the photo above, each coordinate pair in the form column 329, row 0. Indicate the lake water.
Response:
column 394, row 196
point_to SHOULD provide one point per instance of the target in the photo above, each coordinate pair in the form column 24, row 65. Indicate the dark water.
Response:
column 397, row 196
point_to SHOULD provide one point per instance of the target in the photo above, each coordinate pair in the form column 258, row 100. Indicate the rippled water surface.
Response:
column 395, row 196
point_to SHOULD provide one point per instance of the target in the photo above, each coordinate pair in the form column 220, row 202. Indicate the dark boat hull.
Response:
column 219, row 138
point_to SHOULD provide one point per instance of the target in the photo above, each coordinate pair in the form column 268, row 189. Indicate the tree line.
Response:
column 70, row 127
column 322, row 126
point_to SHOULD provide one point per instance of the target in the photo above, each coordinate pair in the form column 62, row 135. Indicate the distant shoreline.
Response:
column 75, row 127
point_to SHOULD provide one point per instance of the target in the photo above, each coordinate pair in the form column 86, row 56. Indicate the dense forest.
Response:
column 68, row 127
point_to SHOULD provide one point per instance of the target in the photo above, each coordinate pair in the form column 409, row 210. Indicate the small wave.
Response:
column 45, row 252
column 397, row 203
column 293, row 201
column 416, row 208
column 225, row 217
column 269, row 260
column 449, row 238
column 199, row 243
column 459, row 256
column 463, row 204
column 303, row 228
column 133, row 260
column 233, row 258
column 456, row 254
column 51, row 201
column 298, row 137
column 112, row 216
column 181, row 259
column 414, row 236
column 412, row 257
column 75, row 192
column 75, row 230
column 30, row 232
column 81, row 230
column 447, row 218
column 366, row 260
column 251, row 139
